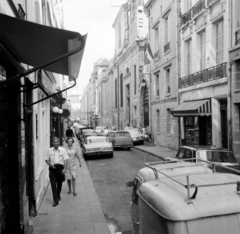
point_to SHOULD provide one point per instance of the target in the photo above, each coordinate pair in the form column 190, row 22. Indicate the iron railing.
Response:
column 212, row 73
column 167, row 47
column 198, row 7
column 237, row 37
column 187, row 17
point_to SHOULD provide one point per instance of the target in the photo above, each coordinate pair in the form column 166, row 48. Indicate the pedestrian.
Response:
column 71, row 169
column 127, row 127
column 56, row 159
column 69, row 132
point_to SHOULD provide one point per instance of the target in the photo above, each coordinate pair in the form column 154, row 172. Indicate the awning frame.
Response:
column 36, row 85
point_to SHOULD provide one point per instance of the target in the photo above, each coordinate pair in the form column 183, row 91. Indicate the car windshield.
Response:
column 134, row 133
column 123, row 134
column 217, row 156
column 89, row 131
column 97, row 139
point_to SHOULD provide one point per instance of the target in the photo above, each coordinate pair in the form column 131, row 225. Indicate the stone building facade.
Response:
column 163, row 74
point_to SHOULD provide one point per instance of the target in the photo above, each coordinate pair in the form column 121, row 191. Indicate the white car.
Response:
column 99, row 128
column 137, row 137
column 97, row 146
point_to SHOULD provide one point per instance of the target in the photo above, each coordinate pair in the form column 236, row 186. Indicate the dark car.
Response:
column 223, row 157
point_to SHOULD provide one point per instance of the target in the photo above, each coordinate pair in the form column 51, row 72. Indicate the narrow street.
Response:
column 109, row 177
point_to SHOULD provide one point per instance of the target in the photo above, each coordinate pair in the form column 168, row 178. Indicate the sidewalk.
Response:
column 81, row 214
column 157, row 151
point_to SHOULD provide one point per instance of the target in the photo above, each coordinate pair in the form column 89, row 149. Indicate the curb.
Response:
column 154, row 155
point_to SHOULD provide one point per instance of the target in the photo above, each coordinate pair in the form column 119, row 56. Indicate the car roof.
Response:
column 172, row 169
column 97, row 136
column 203, row 147
column 169, row 197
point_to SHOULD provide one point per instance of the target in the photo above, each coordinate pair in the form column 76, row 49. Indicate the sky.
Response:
column 94, row 17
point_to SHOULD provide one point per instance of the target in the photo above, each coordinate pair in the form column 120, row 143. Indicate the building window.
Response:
column 189, row 51
column 168, row 122
column 157, row 85
column 168, row 89
column 219, row 42
column 116, row 104
column 135, row 80
column 121, row 89
column 202, row 50
column 158, row 121
column 156, row 39
column 119, row 35
column 166, row 30
column 189, row 4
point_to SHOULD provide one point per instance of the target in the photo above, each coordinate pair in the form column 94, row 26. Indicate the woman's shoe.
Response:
column 69, row 192
column 74, row 194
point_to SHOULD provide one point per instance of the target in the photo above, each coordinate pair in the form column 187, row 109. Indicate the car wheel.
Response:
column 128, row 148
column 113, row 147
column 111, row 155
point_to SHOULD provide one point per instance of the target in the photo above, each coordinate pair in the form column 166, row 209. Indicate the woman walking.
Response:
column 71, row 170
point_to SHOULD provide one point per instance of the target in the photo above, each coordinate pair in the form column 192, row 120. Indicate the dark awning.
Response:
column 39, row 46
column 193, row 108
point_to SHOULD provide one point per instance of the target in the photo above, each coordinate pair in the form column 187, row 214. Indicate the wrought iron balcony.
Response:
column 237, row 37
column 187, row 17
column 198, row 7
column 167, row 47
column 209, row 74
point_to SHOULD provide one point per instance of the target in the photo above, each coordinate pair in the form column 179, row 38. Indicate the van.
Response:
column 158, row 170
column 190, row 204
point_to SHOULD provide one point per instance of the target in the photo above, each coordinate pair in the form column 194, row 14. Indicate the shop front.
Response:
column 203, row 122
column 196, row 122
column 40, row 47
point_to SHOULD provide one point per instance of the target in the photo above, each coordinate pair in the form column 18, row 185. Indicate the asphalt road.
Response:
column 109, row 176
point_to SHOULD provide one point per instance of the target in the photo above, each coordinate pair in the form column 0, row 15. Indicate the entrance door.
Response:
column 224, row 124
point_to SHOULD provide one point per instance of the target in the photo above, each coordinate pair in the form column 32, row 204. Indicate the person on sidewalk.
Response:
column 69, row 132
column 71, row 169
column 56, row 159
column 127, row 127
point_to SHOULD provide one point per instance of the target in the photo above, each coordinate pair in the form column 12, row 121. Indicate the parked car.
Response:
column 120, row 139
column 86, row 133
column 137, row 137
column 221, row 156
column 208, row 203
column 99, row 128
column 80, row 131
column 148, row 173
column 104, row 132
column 97, row 146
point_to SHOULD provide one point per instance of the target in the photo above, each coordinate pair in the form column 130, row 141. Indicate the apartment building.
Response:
column 163, row 23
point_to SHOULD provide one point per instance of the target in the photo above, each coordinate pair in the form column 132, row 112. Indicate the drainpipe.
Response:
column 118, row 98
column 230, row 120
column 177, row 65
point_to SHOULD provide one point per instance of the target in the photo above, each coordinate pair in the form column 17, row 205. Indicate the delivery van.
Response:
column 190, row 204
column 158, row 170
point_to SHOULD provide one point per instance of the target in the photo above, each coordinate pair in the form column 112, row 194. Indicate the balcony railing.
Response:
column 187, row 17
column 198, row 7
column 237, row 37
column 167, row 47
column 212, row 73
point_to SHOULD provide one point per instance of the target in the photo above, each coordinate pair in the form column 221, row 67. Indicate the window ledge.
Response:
column 157, row 97
column 168, row 94
column 237, row 90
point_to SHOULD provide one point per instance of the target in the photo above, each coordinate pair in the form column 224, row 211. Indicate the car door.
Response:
column 109, row 136
column 135, row 207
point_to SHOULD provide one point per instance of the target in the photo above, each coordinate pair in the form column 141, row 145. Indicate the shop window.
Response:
column 191, row 130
